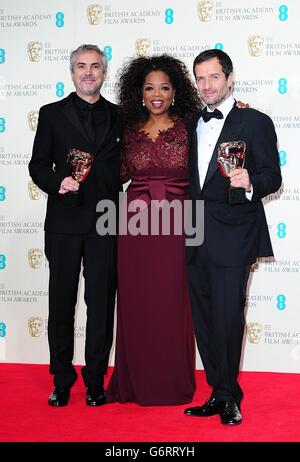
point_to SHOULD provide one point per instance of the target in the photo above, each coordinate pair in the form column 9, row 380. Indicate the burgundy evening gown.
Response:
column 155, row 348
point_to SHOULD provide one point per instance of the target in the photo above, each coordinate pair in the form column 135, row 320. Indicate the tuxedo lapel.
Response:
column 230, row 132
column 71, row 114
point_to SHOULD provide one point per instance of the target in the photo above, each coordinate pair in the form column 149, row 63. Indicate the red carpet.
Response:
column 271, row 412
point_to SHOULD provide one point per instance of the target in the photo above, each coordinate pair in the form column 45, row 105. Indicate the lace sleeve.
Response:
column 125, row 165
column 125, row 172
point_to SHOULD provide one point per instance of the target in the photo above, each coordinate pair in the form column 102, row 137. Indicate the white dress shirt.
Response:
column 207, row 135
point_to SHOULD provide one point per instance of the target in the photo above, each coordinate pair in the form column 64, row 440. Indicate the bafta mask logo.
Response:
column 255, row 45
column 35, row 258
column 94, row 13
column 32, row 118
column 35, row 325
column 33, row 191
column 141, row 46
column 254, row 331
column 205, row 9
column 34, row 51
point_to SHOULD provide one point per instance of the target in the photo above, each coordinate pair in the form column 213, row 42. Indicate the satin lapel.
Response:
column 69, row 111
column 194, row 156
column 102, row 134
column 230, row 132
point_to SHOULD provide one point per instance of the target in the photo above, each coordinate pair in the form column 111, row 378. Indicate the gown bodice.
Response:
column 169, row 150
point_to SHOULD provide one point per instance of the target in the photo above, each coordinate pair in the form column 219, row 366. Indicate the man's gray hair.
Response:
column 84, row 48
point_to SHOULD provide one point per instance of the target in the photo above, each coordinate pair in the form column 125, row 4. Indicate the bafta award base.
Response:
column 73, row 199
column 234, row 196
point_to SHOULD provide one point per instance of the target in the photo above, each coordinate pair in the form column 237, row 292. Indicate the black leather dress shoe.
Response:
column 230, row 413
column 95, row 395
column 211, row 407
column 59, row 397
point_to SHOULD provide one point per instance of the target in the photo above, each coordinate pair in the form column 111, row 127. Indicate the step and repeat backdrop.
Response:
column 36, row 38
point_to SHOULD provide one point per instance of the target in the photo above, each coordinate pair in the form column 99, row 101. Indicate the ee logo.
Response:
column 2, row 125
column 2, row 193
column 2, row 261
column 281, row 230
column 282, row 86
column 108, row 52
column 60, row 19
column 169, row 19
column 282, row 158
column 2, row 329
column 283, row 16
column 2, row 56
column 281, row 299
column 60, row 89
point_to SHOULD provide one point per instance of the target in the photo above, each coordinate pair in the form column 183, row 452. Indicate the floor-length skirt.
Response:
column 155, row 347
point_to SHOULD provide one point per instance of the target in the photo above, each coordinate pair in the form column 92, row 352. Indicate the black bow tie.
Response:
column 210, row 115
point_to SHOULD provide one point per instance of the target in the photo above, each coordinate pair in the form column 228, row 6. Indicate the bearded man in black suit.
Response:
column 75, row 160
column 235, row 233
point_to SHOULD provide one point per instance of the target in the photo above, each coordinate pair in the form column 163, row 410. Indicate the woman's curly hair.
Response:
column 132, row 77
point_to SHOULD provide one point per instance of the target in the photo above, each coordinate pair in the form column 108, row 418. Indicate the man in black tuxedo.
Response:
column 234, row 235
column 87, row 123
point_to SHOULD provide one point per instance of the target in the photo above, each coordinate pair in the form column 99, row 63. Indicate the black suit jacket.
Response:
column 237, row 234
column 60, row 129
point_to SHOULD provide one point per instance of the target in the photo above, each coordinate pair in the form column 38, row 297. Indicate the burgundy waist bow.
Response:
column 156, row 187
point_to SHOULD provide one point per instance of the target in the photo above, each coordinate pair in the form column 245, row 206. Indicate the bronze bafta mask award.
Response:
column 81, row 164
column 231, row 155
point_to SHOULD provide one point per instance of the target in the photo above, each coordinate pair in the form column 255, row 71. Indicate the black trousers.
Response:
column 65, row 254
column 218, row 296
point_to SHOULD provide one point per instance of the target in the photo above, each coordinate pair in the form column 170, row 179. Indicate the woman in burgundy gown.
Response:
column 155, row 348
